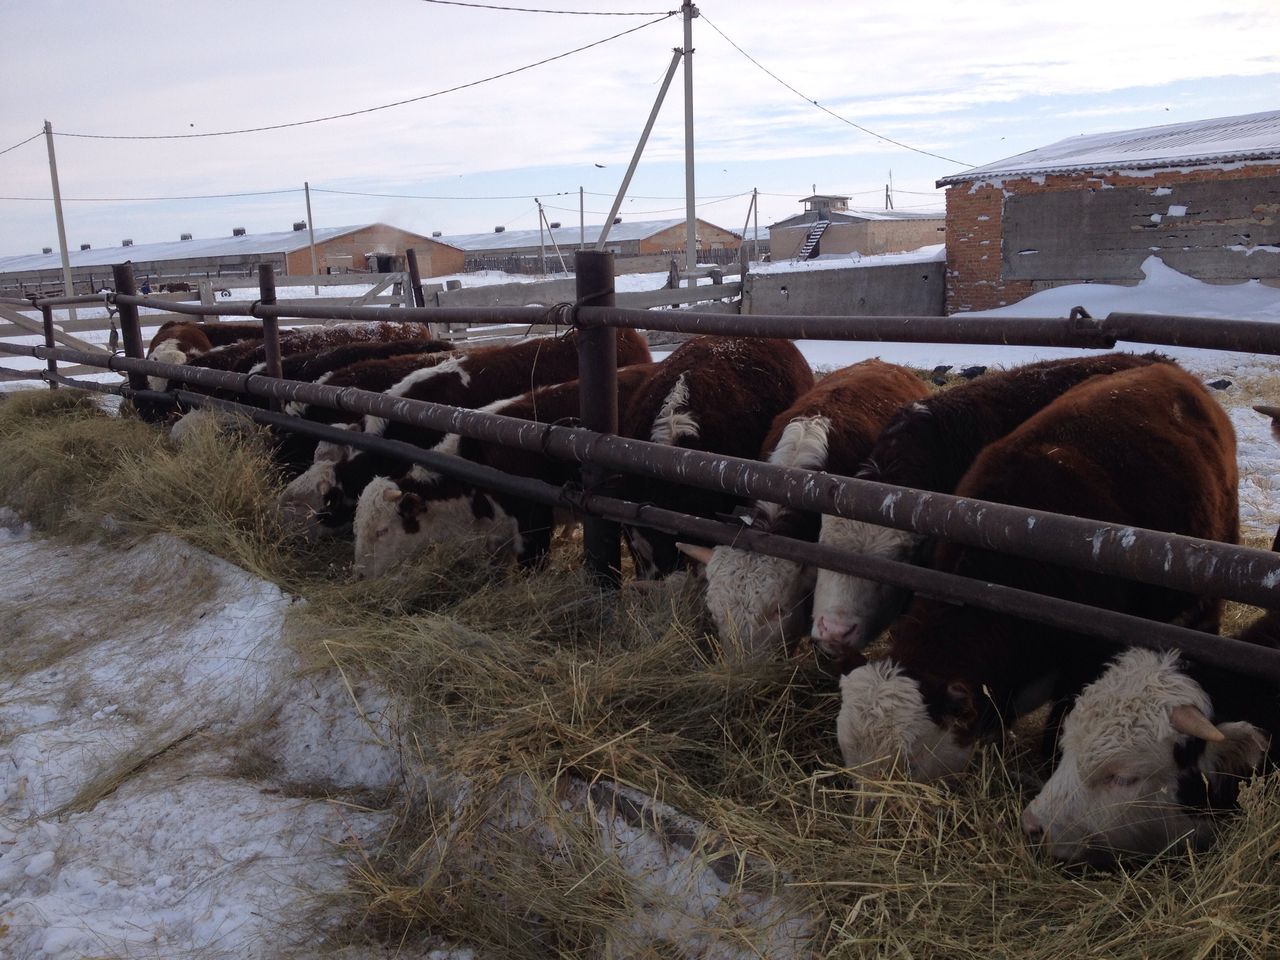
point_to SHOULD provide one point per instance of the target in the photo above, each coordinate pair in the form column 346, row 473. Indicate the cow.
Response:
column 929, row 446
column 396, row 518
column 756, row 600
column 1146, row 447
column 327, row 493
column 714, row 394
column 310, row 365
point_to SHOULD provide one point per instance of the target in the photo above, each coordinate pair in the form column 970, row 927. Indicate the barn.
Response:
column 506, row 249
column 1203, row 196
column 371, row 247
column 827, row 225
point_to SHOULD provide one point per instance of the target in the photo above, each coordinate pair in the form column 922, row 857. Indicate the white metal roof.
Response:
column 251, row 244
column 566, row 234
column 854, row 216
column 1254, row 136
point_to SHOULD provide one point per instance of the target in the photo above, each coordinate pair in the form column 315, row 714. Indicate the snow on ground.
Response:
column 935, row 253
column 125, row 829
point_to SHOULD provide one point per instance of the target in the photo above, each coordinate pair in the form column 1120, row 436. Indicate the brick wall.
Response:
column 975, row 229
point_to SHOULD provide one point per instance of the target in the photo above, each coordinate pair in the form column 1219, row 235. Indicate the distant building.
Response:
column 626, row 239
column 1203, row 196
column 828, row 226
column 370, row 248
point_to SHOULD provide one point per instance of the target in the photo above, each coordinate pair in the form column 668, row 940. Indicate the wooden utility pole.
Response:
column 68, row 285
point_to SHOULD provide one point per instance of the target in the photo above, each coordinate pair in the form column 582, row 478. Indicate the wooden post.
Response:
column 206, row 296
column 122, row 275
column 47, row 313
column 415, row 277
column 270, row 325
column 598, row 405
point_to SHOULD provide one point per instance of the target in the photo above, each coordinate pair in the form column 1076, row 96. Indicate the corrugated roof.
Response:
column 566, row 234
column 1254, row 136
column 251, row 244
column 855, row 216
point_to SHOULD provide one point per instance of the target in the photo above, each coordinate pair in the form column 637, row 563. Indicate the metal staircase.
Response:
column 811, row 241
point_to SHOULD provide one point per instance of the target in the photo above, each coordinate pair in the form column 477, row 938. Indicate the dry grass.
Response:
column 517, row 688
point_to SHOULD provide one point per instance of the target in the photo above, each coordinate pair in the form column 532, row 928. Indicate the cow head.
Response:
column 849, row 612
column 886, row 724
column 1142, row 764
column 755, row 600
column 393, row 523
column 307, row 498
column 167, row 351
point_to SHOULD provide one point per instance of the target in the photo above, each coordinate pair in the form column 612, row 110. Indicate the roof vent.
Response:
column 46, row 249
column 616, row 221
column 555, row 224
column 85, row 246
column 126, row 243
column 185, row 236
column 237, row 231
column 499, row 229
column 299, row 225
column 436, row 233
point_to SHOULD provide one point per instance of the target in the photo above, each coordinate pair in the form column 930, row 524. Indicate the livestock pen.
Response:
column 1224, row 570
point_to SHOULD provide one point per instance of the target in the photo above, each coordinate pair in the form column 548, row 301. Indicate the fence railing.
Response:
column 1184, row 563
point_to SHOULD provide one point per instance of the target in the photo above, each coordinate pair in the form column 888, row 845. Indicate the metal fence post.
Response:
column 122, row 274
column 47, row 313
column 270, row 325
column 415, row 277
column 598, row 405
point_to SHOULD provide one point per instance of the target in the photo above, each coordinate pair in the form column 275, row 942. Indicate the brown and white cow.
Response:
column 471, row 380
column 1146, row 447
column 396, row 518
column 715, row 394
column 929, row 446
column 755, row 600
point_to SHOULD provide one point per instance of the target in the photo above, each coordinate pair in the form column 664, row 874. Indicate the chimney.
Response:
column 555, row 224
column 616, row 221
column 126, row 243
column 499, row 229
column 299, row 225
column 185, row 236
column 46, row 249
column 237, row 231
column 84, row 246
column 436, row 233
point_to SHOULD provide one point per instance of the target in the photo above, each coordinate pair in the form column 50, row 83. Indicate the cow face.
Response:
column 850, row 612
column 168, row 351
column 391, row 525
column 885, row 725
column 1142, row 766
column 756, row 601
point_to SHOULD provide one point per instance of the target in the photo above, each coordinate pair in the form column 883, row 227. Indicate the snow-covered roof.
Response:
column 567, row 233
column 855, row 216
column 254, row 244
column 1254, row 136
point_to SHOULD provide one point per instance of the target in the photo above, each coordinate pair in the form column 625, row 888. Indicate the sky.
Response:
column 968, row 83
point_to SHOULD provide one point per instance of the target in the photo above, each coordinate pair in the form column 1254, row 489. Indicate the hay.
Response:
column 518, row 688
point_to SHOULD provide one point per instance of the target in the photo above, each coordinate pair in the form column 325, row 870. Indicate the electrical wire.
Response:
column 197, row 196
column 422, row 196
column 22, row 143
column 633, row 213
column 572, row 13
column 356, row 113
column 857, row 126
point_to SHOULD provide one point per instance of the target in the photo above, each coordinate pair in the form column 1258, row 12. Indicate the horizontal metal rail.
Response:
column 1109, row 625
column 1190, row 564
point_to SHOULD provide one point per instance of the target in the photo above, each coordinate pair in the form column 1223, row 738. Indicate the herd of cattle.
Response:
column 1148, row 745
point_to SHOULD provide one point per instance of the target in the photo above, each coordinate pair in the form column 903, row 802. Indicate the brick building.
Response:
column 827, row 225
column 1203, row 196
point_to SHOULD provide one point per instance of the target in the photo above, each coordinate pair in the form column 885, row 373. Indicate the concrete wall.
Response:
column 900, row 289
column 868, row 238
column 1008, row 238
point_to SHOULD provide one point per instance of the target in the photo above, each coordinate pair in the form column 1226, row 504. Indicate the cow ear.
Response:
column 1239, row 753
column 957, row 700
column 698, row 556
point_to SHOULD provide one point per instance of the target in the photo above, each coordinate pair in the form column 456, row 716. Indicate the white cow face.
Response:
column 884, row 725
column 756, row 601
column 167, row 351
column 1141, row 766
column 392, row 525
column 849, row 612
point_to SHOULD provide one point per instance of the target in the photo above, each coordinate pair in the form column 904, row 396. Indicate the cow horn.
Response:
column 392, row 494
column 1272, row 412
column 1191, row 721
column 694, row 552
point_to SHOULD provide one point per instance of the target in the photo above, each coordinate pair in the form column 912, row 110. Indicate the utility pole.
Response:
column 755, row 234
column 582, row 220
column 691, row 222
column 542, row 248
column 68, row 285
column 311, row 234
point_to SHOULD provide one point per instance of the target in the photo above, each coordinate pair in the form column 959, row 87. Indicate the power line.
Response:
column 636, row 196
column 356, row 113
column 196, row 196
column 857, row 126
column 22, row 143
column 632, row 213
column 422, row 196
column 572, row 13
